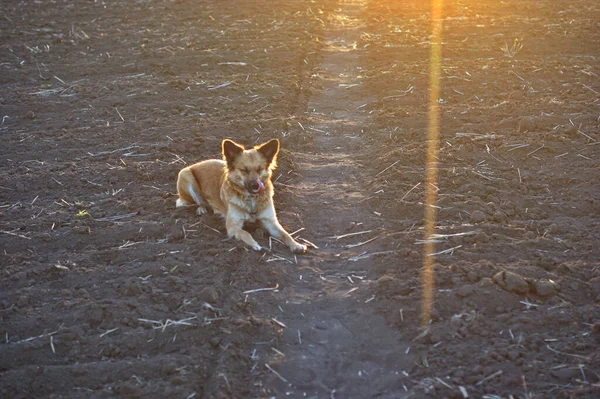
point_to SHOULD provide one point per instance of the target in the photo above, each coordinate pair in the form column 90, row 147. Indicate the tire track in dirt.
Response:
column 333, row 342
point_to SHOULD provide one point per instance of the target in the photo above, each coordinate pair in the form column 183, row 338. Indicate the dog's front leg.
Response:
column 274, row 228
column 235, row 230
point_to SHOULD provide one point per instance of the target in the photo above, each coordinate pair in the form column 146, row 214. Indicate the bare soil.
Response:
column 107, row 290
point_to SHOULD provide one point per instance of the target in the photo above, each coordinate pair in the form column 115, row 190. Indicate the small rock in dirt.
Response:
column 81, row 230
column 241, row 322
column 465, row 291
column 499, row 217
column 168, row 368
column 321, row 326
column 66, row 336
column 513, row 355
column 527, row 124
column 548, row 263
column 112, row 351
column 46, row 237
column 22, row 301
column 132, row 288
column 459, row 373
column 209, row 295
column 566, row 374
column 215, row 342
column 175, row 281
column 477, row 217
column 472, row 276
column 179, row 380
column 530, row 235
column 553, row 229
column 95, row 314
column 570, row 130
column 153, row 231
column 435, row 314
column 435, row 336
column 78, row 370
column 18, row 276
column 511, row 282
column 129, row 391
column 545, row 288
column 176, row 234
column 485, row 283
column 481, row 236
column 387, row 285
column 596, row 330
column 595, row 284
column 127, row 321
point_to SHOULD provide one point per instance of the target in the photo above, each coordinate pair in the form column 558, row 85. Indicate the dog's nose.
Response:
column 255, row 186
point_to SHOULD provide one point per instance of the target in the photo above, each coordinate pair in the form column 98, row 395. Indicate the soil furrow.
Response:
column 334, row 343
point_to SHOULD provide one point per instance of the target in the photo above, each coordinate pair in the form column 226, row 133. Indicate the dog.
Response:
column 239, row 188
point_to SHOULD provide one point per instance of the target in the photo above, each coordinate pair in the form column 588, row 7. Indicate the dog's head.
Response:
column 251, row 168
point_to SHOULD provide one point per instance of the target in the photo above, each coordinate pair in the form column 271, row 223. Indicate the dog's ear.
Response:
column 230, row 151
column 269, row 150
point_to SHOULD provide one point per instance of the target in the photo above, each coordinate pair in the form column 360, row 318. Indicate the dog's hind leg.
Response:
column 189, row 192
column 198, row 199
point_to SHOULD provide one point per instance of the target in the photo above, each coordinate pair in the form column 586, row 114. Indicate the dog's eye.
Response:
column 245, row 170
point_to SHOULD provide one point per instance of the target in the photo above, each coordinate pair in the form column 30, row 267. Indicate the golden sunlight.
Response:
column 432, row 160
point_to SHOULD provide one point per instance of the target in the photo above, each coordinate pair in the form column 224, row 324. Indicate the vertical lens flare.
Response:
column 433, row 122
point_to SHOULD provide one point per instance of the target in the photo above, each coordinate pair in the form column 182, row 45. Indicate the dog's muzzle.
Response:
column 255, row 186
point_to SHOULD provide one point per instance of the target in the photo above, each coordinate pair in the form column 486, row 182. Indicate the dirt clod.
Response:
column 22, row 301
column 81, row 230
column 209, row 295
column 527, row 124
column 511, row 282
column 465, row 291
column 478, row 217
column 545, row 288
column 566, row 374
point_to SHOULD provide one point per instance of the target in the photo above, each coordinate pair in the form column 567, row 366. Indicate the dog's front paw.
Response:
column 258, row 247
column 263, row 250
column 298, row 248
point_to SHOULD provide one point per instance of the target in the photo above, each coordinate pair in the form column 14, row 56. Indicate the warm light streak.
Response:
column 433, row 122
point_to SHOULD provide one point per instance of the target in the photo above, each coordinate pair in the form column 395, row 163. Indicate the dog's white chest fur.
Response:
column 251, row 208
column 249, row 205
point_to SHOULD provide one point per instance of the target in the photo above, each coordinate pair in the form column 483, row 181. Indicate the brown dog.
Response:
column 239, row 188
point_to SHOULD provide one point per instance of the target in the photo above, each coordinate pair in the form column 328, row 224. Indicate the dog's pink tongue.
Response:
column 261, row 186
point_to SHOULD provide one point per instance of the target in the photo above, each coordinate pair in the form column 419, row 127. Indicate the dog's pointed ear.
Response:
column 230, row 151
column 269, row 150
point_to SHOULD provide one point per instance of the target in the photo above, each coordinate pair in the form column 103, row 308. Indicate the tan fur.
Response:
column 232, row 188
